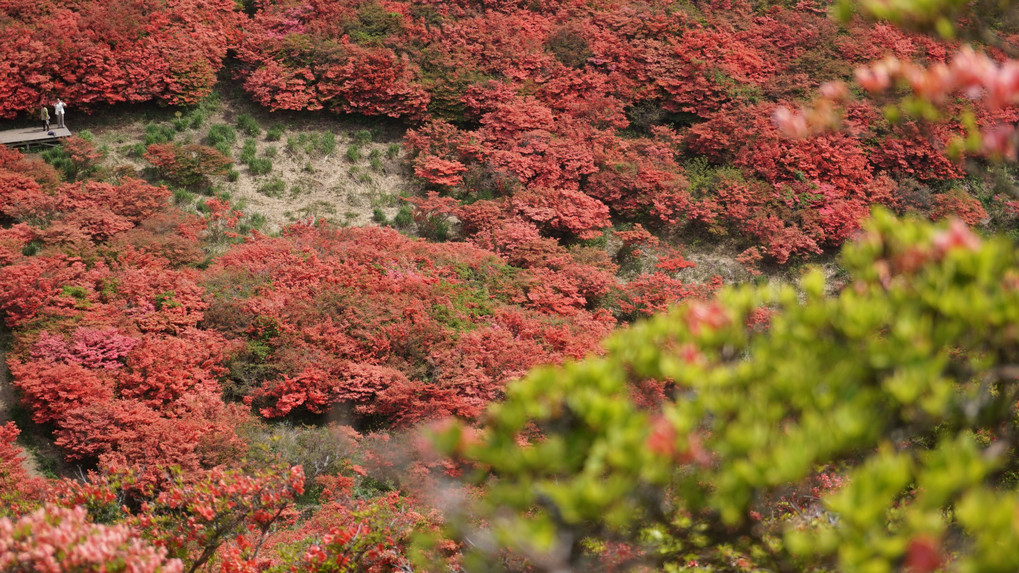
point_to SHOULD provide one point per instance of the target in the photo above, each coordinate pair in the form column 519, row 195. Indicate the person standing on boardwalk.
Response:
column 45, row 118
column 58, row 108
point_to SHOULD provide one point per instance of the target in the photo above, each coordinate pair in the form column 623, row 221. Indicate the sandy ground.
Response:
column 341, row 189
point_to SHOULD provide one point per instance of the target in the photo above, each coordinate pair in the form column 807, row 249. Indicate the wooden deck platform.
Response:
column 29, row 137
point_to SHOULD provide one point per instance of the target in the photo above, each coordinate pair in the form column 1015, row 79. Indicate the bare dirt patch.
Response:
column 307, row 165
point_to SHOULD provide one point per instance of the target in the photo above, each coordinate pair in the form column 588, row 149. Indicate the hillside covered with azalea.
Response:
column 591, row 337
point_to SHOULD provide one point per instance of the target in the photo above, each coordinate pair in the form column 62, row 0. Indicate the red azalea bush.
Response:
column 535, row 128
column 398, row 329
column 60, row 539
column 90, row 53
column 107, row 347
column 800, row 195
column 19, row 491
column 188, row 165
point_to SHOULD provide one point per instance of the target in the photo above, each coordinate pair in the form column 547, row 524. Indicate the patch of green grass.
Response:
column 158, row 133
column 379, row 217
column 273, row 188
column 327, row 143
column 354, row 153
column 248, row 150
column 221, row 134
column 362, row 136
column 257, row 220
column 404, row 217
column 317, row 209
column 380, row 200
column 197, row 118
column 393, row 150
column 179, row 122
column 260, row 166
column 253, row 222
column 248, row 125
column 183, row 197
column 232, row 175
column 274, row 133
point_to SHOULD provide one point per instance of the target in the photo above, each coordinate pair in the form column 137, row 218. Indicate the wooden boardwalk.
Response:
column 29, row 137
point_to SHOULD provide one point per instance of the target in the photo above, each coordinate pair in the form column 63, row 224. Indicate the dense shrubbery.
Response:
column 135, row 362
column 871, row 430
column 572, row 115
column 400, row 330
column 774, row 427
column 187, row 165
column 92, row 53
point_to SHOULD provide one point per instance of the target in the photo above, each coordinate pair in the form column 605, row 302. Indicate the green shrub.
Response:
column 179, row 122
column 196, row 119
column 183, row 197
column 362, row 136
column 248, row 125
column 221, row 134
column 57, row 157
column 847, row 432
column 274, row 133
column 373, row 24
column 273, row 188
column 32, row 248
column 248, row 150
column 187, row 165
column 327, row 143
column 404, row 217
column 157, row 133
column 353, row 153
column 260, row 166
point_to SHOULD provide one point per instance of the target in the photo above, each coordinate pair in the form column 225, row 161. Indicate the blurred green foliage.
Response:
column 898, row 391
